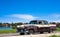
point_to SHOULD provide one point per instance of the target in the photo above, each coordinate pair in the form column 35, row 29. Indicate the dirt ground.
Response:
column 32, row 35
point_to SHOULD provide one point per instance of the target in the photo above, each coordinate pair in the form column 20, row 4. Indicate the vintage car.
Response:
column 36, row 26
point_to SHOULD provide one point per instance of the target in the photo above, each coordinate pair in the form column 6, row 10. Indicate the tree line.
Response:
column 10, row 24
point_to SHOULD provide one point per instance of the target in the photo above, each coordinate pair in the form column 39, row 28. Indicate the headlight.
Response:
column 26, row 31
column 18, row 26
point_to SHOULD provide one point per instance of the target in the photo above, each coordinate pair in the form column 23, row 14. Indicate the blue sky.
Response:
column 26, row 10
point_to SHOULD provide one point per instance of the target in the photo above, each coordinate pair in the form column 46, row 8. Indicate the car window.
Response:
column 40, row 22
column 45, row 22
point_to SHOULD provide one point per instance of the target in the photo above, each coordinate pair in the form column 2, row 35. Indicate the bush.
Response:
column 13, row 27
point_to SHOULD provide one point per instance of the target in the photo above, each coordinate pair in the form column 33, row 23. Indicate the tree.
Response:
column 0, row 24
column 52, row 22
column 15, row 24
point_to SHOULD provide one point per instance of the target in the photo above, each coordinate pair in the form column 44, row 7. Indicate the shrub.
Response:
column 13, row 27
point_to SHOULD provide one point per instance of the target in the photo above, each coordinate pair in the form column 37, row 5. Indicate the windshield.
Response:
column 33, row 22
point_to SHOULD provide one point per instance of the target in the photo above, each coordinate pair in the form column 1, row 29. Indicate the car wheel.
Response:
column 21, row 33
column 31, row 31
column 41, row 32
column 50, row 31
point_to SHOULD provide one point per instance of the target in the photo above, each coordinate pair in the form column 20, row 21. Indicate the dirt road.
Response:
column 32, row 35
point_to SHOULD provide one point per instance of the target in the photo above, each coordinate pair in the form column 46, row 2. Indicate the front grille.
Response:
column 22, row 30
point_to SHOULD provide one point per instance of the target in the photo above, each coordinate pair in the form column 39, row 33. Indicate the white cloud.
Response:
column 51, row 18
column 24, row 16
column 55, row 15
column 27, row 17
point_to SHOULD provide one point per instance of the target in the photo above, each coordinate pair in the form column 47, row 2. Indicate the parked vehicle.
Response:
column 36, row 26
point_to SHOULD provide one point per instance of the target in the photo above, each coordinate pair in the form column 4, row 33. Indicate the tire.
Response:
column 28, row 33
column 41, row 32
column 21, row 33
column 31, row 31
column 50, row 31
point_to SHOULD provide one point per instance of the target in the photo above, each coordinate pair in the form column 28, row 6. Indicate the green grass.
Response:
column 58, row 29
column 54, row 36
column 8, row 31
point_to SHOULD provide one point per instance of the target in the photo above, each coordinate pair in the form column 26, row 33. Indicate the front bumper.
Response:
column 23, row 31
column 26, row 32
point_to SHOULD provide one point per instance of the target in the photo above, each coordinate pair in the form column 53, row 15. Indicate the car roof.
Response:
column 38, row 20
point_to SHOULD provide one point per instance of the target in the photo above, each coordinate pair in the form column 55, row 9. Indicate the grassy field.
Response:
column 58, row 29
column 8, row 31
column 54, row 36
